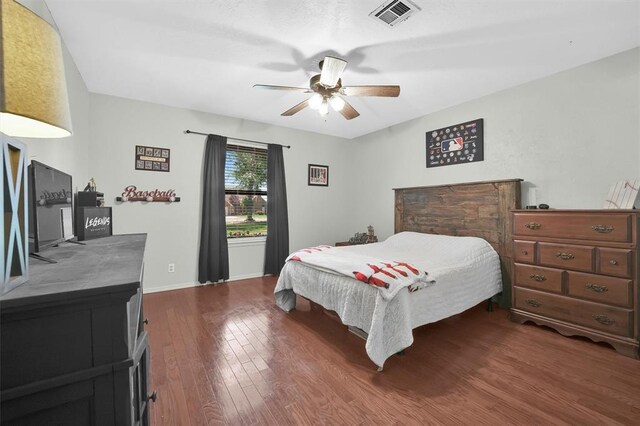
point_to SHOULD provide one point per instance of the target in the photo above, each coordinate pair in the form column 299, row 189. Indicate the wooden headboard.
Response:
column 476, row 209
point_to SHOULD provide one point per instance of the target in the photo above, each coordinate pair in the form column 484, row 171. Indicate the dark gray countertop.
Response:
column 103, row 265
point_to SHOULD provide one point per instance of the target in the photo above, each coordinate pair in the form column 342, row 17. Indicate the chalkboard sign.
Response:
column 93, row 222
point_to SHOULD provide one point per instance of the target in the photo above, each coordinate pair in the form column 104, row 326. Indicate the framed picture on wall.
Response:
column 456, row 144
column 152, row 158
column 318, row 175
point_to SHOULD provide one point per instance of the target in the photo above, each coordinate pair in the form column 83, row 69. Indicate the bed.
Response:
column 468, row 269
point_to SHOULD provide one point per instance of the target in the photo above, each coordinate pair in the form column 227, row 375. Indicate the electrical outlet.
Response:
column 172, row 267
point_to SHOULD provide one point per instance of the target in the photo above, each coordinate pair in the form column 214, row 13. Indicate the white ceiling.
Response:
column 207, row 55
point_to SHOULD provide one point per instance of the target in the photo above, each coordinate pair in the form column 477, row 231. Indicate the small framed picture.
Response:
column 153, row 159
column 318, row 175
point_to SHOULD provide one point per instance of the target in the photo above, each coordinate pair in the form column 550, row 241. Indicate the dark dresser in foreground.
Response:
column 73, row 346
column 577, row 271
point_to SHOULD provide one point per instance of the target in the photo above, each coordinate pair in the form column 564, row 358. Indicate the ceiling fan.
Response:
column 328, row 90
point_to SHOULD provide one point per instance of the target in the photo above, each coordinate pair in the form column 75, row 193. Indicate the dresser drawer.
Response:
column 593, row 315
column 579, row 258
column 615, row 291
column 545, row 279
column 580, row 226
column 524, row 251
column 614, row 262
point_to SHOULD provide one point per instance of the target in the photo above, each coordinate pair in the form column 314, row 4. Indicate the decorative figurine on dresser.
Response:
column 576, row 271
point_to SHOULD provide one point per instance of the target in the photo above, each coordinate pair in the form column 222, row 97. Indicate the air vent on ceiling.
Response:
column 393, row 12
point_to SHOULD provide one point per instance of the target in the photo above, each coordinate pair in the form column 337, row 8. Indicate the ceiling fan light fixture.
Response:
column 337, row 103
column 315, row 101
column 326, row 89
column 332, row 69
column 324, row 108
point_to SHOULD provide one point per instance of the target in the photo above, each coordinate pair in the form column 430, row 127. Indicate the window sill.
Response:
column 246, row 242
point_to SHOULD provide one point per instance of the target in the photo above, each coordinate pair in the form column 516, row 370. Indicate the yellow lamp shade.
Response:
column 33, row 90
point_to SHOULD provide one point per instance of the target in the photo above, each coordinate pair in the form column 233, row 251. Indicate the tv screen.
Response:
column 50, row 212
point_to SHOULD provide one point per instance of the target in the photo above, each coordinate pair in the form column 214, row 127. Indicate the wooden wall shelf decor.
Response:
column 131, row 193
column 150, row 199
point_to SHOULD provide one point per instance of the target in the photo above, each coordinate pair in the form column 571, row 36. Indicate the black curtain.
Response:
column 213, row 262
column 277, row 248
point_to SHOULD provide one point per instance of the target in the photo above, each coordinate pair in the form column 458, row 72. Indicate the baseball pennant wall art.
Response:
column 457, row 144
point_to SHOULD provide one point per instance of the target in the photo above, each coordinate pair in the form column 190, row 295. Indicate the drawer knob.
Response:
column 565, row 256
column 603, row 319
column 533, row 302
column 153, row 396
column 533, row 225
column 524, row 252
column 603, row 229
column 613, row 262
column 597, row 288
column 146, row 321
column 538, row 278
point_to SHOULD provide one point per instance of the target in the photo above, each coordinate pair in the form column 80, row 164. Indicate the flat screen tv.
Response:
column 50, row 208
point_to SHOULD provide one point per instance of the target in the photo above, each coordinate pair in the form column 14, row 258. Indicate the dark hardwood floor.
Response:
column 227, row 355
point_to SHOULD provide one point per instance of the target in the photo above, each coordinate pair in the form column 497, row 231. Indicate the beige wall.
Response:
column 570, row 136
column 317, row 215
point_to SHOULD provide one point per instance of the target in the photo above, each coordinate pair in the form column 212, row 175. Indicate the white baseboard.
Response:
column 245, row 277
column 169, row 287
column 179, row 286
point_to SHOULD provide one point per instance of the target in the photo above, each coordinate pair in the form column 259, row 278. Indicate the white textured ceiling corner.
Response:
column 207, row 55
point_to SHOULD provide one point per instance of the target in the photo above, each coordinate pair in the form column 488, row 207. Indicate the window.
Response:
column 245, row 187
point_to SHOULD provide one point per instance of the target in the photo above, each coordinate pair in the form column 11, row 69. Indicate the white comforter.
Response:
column 466, row 271
column 389, row 276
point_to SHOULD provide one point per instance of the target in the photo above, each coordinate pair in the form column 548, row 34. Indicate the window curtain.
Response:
column 213, row 262
column 277, row 248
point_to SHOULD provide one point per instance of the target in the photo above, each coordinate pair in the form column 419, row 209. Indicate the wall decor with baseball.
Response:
column 132, row 193
column 152, row 159
column 456, row 144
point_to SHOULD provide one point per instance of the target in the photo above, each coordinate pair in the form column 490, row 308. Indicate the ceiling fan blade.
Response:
column 288, row 88
column 387, row 91
column 348, row 111
column 302, row 105
column 332, row 69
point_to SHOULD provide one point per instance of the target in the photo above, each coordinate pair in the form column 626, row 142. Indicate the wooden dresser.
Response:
column 577, row 271
column 73, row 346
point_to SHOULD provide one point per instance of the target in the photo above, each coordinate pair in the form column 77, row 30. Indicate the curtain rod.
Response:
column 238, row 139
